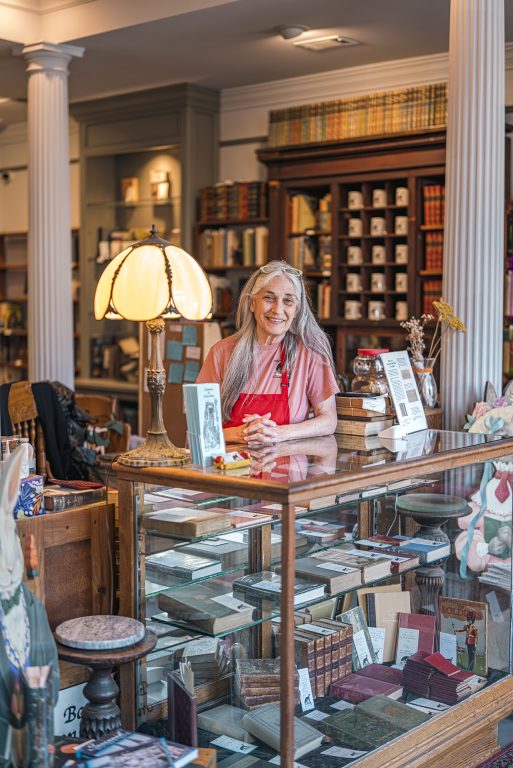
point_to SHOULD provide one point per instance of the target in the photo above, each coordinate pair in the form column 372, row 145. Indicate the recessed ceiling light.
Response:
column 326, row 43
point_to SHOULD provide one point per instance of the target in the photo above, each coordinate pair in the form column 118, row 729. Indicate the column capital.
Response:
column 49, row 57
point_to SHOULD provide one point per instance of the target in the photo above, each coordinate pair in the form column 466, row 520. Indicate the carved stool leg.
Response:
column 101, row 714
column 430, row 579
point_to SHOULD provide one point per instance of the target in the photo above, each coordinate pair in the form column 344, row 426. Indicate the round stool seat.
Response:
column 98, row 633
column 432, row 505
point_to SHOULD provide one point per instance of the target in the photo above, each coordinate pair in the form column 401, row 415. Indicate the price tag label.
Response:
column 349, row 754
column 305, row 690
column 231, row 602
column 234, row 745
column 316, row 714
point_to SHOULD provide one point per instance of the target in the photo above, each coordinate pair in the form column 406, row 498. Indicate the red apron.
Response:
column 276, row 405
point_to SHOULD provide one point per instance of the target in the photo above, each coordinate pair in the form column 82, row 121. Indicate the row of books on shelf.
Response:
column 311, row 253
column 234, row 200
column 431, row 291
column 433, row 202
column 310, row 212
column 247, row 247
column 434, row 251
column 393, row 111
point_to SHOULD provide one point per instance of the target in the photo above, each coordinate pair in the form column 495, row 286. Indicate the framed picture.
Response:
column 160, row 185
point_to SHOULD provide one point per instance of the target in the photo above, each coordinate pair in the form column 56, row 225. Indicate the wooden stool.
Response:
column 118, row 640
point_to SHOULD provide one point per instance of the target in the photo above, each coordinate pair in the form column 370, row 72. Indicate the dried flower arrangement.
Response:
column 446, row 320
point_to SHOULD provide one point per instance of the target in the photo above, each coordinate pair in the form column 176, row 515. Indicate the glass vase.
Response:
column 426, row 381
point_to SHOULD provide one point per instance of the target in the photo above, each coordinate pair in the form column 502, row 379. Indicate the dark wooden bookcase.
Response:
column 414, row 160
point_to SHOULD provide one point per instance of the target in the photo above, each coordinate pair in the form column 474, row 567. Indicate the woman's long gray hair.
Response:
column 304, row 328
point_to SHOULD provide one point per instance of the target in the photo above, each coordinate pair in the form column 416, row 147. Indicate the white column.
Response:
column 50, row 309
column 474, row 213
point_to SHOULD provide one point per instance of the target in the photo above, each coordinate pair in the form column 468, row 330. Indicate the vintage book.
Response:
column 231, row 553
column 187, row 522
column 393, row 712
column 371, row 565
column 321, row 532
column 364, row 443
column 264, row 723
column 358, row 730
column 182, row 719
column 267, row 585
column 335, row 576
column 427, row 550
column 182, row 564
column 400, row 561
column 265, row 671
column 441, row 664
column 322, row 502
column 362, row 650
column 467, row 620
column 361, row 428
column 356, row 688
column 206, row 607
column 224, row 720
column 383, row 611
column 204, row 422
column 139, row 748
column 198, row 498
column 361, row 594
column 242, row 518
column 382, row 672
column 376, row 404
column 425, row 625
column 57, row 498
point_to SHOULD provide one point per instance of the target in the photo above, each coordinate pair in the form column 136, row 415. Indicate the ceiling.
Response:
column 216, row 43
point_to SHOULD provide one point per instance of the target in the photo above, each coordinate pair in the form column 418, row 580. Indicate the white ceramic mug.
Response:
column 402, row 196
column 354, row 282
column 355, row 199
column 355, row 227
column 401, row 310
column 401, row 253
column 376, row 310
column 353, row 310
column 378, row 282
column 379, row 254
column 401, row 225
column 378, row 225
column 401, row 282
column 379, row 198
column 354, row 254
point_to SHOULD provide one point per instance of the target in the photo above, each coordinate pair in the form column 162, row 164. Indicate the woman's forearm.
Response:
column 318, row 426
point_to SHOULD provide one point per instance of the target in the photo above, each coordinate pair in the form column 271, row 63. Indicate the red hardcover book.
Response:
column 356, row 688
column 441, row 664
column 426, row 626
column 383, row 673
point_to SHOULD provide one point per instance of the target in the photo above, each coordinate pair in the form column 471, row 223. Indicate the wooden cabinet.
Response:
column 317, row 483
column 75, row 552
column 376, row 233
column 128, row 143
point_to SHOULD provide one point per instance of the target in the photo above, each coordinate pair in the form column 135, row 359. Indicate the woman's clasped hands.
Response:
column 259, row 429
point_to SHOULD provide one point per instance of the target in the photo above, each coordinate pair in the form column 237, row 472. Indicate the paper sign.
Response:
column 316, row 630
column 175, row 375
column 231, row 602
column 234, row 745
column 305, row 690
column 495, row 609
column 175, row 328
column 403, row 390
column 448, row 646
column 194, row 353
column 174, row 350
column 316, row 714
column 377, row 635
column 192, row 368
column 190, row 336
column 362, row 649
column 343, row 752
column 337, row 567
column 376, row 404
column 177, row 492
column 342, row 705
column 68, row 710
column 407, row 645
column 430, row 704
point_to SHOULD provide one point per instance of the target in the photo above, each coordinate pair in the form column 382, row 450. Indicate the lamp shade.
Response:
column 151, row 279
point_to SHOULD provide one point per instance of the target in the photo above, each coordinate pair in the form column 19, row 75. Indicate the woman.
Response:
column 277, row 367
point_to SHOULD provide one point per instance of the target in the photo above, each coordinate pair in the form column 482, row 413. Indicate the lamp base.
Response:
column 156, row 451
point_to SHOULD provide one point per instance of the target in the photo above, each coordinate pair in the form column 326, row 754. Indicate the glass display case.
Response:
column 331, row 604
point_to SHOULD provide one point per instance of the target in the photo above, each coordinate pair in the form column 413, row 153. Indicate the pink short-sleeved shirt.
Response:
column 311, row 382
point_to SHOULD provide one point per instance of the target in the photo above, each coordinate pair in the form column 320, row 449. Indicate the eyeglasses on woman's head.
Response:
column 269, row 269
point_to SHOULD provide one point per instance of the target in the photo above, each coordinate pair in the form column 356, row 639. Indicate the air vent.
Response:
column 326, row 43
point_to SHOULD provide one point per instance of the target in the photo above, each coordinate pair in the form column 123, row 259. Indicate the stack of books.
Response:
column 129, row 748
column 336, row 576
column 264, row 723
column 362, row 416
column 207, row 606
column 427, row 550
column 207, row 659
column 498, row 575
column 234, row 201
column 362, row 685
column 433, row 676
column 372, row 565
column 324, row 647
column 257, row 682
column 179, row 564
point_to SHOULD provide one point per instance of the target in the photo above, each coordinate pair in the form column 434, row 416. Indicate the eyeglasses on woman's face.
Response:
column 269, row 269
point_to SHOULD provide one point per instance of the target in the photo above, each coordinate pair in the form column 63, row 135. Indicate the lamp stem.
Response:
column 157, row 450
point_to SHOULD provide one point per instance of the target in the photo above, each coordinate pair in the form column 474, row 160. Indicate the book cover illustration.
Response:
column 467, row 620
column 204, row 421
column 363, row 650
